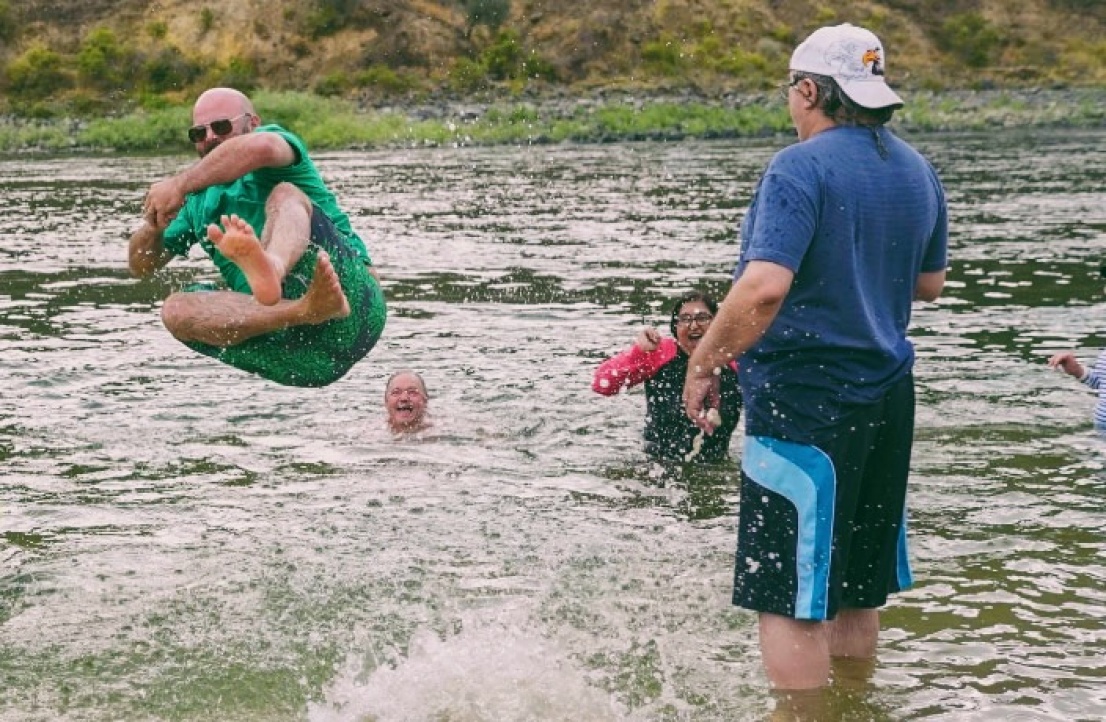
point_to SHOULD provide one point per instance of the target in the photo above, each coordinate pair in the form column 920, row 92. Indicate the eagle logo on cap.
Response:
column 871, row 55
column 849, row 59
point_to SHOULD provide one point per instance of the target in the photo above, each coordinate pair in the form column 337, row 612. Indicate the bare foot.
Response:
column 324, row 299
column 239, row 243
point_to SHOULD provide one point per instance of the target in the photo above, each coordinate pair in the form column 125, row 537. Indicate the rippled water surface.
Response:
column 181, row 541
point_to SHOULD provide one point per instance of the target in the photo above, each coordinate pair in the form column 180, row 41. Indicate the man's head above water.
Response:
column 405, row 400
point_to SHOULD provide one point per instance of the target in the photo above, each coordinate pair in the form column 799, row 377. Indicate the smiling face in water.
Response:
column 405, row 400
column 692, row 323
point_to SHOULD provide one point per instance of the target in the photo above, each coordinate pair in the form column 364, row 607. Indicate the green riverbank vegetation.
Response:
column 332, row 123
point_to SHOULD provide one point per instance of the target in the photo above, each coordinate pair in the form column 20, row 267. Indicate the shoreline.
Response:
column 532, row 119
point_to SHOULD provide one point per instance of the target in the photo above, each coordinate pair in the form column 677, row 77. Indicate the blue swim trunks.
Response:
column 822, row 520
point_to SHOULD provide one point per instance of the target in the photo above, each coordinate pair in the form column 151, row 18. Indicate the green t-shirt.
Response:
column 246, row 198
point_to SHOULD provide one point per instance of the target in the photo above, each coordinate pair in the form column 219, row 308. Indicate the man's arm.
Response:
column 229, row 161
column 743, row 316
column 235, row 157
column 147, row 252
column 929, row 286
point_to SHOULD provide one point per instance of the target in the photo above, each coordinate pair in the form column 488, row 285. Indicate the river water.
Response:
column 182, row 541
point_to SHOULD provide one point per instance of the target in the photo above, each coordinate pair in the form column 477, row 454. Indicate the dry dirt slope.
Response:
column 585, row 40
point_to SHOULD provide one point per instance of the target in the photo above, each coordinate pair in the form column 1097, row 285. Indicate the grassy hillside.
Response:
column 92, row 56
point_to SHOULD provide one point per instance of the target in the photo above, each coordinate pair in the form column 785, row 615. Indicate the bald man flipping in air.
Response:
column 302, row 303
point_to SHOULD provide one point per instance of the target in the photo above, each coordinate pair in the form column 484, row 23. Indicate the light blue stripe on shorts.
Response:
column 902, row 558
column 804, row 475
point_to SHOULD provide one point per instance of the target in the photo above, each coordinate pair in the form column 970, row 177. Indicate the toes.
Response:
column 238, row 224
column 325, row 266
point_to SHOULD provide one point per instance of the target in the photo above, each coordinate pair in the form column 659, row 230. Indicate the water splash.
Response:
column 487, row 674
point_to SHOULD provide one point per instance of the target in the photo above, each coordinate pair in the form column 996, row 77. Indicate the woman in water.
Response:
column 661, row 364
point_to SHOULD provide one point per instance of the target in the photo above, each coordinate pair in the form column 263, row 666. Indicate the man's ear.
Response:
column 809, row 90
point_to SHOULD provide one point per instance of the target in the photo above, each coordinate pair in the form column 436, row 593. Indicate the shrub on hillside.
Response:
column 239, row 72
column 104, row 64
column 535, row 67
column 158, row 29
column 744, row 64
column 329, row 16
column 664, row 55
column 503, row 58
column 490, row 13
column 736, row 62
column 467, row 75
column 37, row 74
column 332, row 84
column 168, row 70
column 969, row 38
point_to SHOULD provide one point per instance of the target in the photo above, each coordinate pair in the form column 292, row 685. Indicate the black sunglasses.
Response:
column 223, row 126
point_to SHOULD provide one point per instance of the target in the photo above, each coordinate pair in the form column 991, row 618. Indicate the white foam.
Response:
column 491, row 674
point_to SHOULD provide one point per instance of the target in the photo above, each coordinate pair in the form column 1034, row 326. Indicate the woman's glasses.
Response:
column 223, row 126
column 686, row 319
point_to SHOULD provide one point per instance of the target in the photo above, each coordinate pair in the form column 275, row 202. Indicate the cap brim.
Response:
column 871, row 94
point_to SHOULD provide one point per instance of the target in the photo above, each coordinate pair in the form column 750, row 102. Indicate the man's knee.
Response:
column 178, row 314
column 286, row 193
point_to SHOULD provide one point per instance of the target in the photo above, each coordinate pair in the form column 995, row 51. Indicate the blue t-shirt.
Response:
column 856, row 229
column 246, row 198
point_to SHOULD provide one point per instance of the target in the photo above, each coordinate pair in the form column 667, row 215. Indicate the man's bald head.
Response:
column 224, row 98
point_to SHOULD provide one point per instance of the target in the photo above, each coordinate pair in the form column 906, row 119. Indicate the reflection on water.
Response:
column 181, row 541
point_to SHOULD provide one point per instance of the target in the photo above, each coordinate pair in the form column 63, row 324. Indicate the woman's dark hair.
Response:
column 688, row 297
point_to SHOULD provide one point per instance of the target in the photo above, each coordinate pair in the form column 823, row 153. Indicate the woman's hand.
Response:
column 648, row 340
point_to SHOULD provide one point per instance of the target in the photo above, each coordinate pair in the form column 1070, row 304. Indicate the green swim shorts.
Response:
column 316, row 354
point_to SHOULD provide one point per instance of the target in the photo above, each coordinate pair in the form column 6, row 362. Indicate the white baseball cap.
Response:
column 853, row 57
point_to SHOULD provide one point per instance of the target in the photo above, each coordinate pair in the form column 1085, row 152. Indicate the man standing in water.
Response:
column 303, row 303
column 847, row 227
